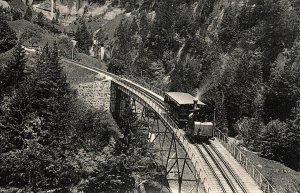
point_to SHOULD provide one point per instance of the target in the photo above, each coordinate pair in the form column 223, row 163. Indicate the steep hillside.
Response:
column 50, row 140
column 240, row 58
column 33, row 34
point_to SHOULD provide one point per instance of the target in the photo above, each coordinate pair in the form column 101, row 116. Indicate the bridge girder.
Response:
column 172, row 154
column 151, row 97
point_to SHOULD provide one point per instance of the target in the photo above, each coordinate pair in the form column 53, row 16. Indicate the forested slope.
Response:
column 49, row 139
column 241, row 58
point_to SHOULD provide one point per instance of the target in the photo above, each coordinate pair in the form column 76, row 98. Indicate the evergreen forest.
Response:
column 241, row 58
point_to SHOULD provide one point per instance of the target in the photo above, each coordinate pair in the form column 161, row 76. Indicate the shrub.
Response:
column 271, row 140
column 249, row 129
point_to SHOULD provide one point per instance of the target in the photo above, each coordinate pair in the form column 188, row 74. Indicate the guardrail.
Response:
column 168, row 122
column 141, row 82
column 251, row 169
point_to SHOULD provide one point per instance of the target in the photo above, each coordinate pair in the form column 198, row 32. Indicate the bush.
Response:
column 280, row 141
column 65, row 47
column 249, row 129
column 271, row 140
column 36, row 168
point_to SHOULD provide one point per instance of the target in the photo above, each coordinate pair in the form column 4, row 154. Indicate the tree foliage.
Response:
column 52, row 141
column 242, row 59
column 13, row 74
column 45, row 23
column 28, row 14
column 7, row 36
column 83, row 38
column 65, row 47
column 280, row 141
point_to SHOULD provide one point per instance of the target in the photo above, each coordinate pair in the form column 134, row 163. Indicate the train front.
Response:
column 199, row 127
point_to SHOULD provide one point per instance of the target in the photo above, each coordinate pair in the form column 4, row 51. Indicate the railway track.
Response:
column 221, row 175
column 229, row 181
column 147, row 92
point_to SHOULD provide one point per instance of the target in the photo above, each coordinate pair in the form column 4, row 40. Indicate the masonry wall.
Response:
column 96, row 94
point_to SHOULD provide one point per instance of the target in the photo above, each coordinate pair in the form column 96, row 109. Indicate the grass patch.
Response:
column 281, row 177
column 76, row 75
column 35, row 34
column 111, row 26
column 90, row 61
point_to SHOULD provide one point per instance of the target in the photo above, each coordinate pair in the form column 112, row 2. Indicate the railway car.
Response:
column 189, row 114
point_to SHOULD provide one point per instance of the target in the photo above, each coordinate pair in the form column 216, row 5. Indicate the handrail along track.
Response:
column 122, row 79
column 157, row 95
column 212, row 170
column 211, row 150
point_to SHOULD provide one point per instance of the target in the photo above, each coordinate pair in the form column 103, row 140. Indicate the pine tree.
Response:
column 13, row 74
column 59, row 76
column 133, row 27
column 161, row 35
column 156, row 72
column 8, row 37
column 28, row 14
column 123, row 35
column 84, row 38
column 123, row 46
column 101, row 36
column 272, row 135
column 143, row 25
column 16, row 14
column 283, row 89
column 117, row 66
column 12, row 84
column 65, row 47
column 17, row 65
column 50, row 94
column 41, row 19
column 177, row 80
column 191, row 73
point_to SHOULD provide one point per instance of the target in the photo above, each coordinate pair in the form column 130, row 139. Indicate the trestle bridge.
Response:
column 216, row 167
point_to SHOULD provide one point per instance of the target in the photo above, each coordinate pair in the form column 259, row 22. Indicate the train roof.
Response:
column 183, row 98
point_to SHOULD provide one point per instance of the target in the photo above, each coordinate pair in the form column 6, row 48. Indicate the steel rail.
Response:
column 121, row 79
column 222, row 170
column 158, row 99
column 229, row 169
column 211, row 168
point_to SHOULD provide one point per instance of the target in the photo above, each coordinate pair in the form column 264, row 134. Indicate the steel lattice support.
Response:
column 171, row 139
column 181, row 174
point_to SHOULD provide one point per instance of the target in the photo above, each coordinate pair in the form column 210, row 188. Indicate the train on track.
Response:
column 190, row 114
column 187, row 112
